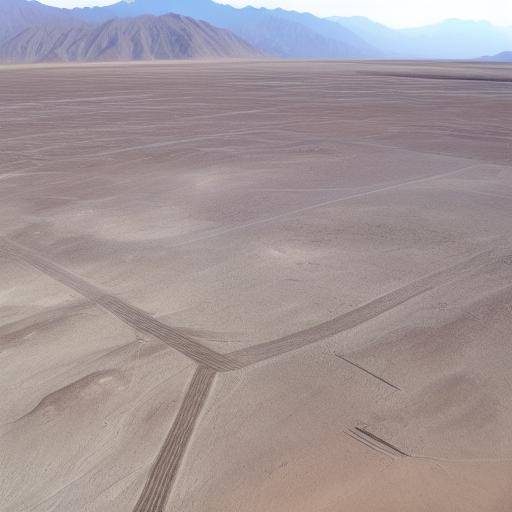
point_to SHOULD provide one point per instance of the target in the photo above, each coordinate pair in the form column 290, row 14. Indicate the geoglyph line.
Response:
column 158, row 486
column 127, row 313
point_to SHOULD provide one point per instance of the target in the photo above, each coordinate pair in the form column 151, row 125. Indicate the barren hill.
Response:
column 276, row 32
column 143, row 38
column 18, row 15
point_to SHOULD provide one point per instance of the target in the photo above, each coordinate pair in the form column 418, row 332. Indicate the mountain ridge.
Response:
column 449, row 39
column 147, row 37
column 18, row 15
column 286, row 34
column 273, row 32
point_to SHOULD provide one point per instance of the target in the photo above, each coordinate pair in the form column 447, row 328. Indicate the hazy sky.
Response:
column 397, row 13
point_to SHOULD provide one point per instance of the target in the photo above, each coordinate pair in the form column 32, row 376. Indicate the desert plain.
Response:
column 256, row 286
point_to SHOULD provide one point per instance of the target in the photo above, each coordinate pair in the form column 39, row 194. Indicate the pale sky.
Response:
column 395, row 13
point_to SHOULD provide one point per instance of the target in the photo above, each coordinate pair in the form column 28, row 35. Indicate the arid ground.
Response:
column 245, row 287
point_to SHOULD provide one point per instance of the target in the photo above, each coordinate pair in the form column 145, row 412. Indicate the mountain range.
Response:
column 450, row 39
column 147, row 37
column 499, row 57
column 280, row 33
column 17, row 15
column 33, row 32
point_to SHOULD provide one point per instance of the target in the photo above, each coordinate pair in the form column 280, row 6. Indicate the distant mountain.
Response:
column 277, row 32
column 391, row 43
column 450, row 39
column 499, row 57
column 326, row 28
column 458, row 39
column 17, row 15
column 142, row 38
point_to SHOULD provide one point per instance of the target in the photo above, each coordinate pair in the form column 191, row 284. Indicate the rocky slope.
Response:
column 142, row 38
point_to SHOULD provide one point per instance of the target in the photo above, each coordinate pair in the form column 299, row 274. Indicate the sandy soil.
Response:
column 256, row 286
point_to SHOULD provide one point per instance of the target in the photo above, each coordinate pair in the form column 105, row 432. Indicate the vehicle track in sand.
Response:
column 156, row 491
column 374, row 442
column 355, row 317
column 130, row 315
column 158, row 486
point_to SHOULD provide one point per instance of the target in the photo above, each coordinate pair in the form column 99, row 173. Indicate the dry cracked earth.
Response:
column 236, row 287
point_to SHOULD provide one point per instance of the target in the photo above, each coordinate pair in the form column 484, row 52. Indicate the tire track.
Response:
column 374, row 442
column 127, row 313
column 156, row 491
column 374, row 375
column 358, row 316
column 230, row 229
column 356, row 437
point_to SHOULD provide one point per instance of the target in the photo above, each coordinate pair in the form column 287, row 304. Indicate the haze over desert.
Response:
column 245, row 286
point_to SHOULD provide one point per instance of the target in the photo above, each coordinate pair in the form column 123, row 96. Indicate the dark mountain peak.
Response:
column 275, row 31
column 282, row 33
column 17, row 15
column 146, row 37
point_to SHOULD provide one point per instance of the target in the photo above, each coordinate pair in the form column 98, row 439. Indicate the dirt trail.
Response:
column 374, row 442
column 127, row 313
column 358, row 316
column 158, row 486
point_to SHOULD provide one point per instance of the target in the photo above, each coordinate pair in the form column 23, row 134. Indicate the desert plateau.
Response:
column 256, row 285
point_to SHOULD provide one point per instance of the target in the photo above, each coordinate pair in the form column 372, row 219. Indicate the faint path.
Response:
column 374, row 442
column 127, row 313
column 358, row 316
column 222, row 231
column 165, row 468
column 372, row 374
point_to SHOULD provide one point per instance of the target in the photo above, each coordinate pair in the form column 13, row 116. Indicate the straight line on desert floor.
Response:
column 165, row 468
column 127, row 313
column 144, row 322
column 358, row 431
column 360, row 315
column 373, row 144
column 223, row 231
column 375, row 376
